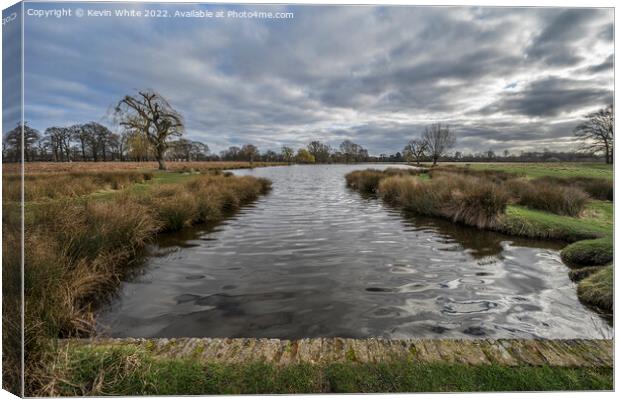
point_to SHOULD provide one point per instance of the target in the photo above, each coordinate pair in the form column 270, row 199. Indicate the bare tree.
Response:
column 320, row 151
column 287, row 154
column 83, row 136
column 416, row 150
column 13, row 142
column 188, row 150
column 597, row 132
column 95, row 136
column 250, row 152
column 353, row 152
column 149, row 113
column 438, row 139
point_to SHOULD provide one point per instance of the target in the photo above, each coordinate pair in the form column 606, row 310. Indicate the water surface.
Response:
column 316, row 259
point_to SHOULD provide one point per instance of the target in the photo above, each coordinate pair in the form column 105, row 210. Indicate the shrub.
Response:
column 601, row 189
column 478, row 204
column 464, row 199
column 412, row 194
column 177, row 211
column 598, row 289
column 558, row 199
column 390, row 188
column 497, row 176
column 365, row 181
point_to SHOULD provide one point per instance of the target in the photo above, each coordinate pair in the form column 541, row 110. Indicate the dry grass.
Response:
column 67, row 167
column 598, row 289
column 601, row 189
column 496, row 176
column 479, row 203
column 548, row 197
column 550, row 194
column 11, row 298
column 78, row 251
column 367, row 181
column 48, row 186
column 464, row 199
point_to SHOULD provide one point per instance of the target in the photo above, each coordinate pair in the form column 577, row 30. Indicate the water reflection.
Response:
column 315, row 259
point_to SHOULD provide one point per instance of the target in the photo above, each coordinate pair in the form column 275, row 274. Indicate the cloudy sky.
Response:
column 503, row 78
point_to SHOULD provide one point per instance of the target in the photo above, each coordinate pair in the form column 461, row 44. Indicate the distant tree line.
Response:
column 314, row 152
column 92, row 142
column 150, row 129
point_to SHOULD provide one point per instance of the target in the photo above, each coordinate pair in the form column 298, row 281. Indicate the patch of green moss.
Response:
column 350, row 355
column 589, row 252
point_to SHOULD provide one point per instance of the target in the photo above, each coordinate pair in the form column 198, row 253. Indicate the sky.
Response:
column 503, row 78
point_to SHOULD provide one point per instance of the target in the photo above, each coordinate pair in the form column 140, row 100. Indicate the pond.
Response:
column 316, row 259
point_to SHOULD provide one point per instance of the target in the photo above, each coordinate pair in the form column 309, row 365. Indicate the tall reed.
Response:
column 78, row 251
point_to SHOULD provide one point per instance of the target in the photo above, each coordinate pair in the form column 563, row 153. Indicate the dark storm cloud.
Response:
column 554, row 45
column 607, row 33
column 550, row 97
column 376, row 75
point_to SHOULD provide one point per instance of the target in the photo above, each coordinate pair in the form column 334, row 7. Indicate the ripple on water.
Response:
column 313, row 258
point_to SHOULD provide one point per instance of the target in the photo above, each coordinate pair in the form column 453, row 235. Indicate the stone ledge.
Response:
column 505, row 352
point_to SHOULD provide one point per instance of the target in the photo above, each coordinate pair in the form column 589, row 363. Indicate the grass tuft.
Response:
column 598, row 289
column 554, row 198
column 51, row 186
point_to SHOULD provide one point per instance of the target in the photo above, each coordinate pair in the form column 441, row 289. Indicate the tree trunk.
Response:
column 160, row 158
column 435, row 160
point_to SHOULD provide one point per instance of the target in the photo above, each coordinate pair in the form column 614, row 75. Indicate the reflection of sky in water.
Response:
column 314, row 258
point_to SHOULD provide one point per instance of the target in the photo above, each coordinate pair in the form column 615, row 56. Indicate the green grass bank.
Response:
column 135, row 370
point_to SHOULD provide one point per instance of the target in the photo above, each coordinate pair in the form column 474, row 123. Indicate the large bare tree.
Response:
column 416, row 150
column 59, row 139
column 438, row 139
column 150, row 114
column 597, row 132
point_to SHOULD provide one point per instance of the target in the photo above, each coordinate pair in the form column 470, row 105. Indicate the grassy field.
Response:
column 553, row 169
column 68, row 167
column 130, row 370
